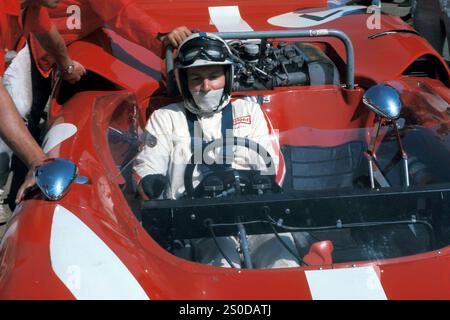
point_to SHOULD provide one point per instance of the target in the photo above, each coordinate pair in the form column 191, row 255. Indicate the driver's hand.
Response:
column 152, row 186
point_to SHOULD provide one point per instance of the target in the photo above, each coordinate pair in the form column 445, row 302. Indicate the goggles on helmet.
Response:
column 204, row 49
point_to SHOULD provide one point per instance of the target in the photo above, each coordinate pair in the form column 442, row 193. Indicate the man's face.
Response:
column 205, row 79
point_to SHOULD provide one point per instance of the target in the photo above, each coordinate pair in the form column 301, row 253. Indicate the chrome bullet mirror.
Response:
column 384, row 100
column 55, row 177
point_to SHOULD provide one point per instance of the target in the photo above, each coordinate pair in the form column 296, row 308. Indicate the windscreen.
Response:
column 350, row 186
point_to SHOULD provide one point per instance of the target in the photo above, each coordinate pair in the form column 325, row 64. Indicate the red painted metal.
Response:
column 25, row 264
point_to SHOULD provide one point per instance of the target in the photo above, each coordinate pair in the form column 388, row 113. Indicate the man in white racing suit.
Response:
column 204, row 70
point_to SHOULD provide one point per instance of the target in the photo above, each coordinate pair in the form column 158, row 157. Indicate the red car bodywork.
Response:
column 27, row 268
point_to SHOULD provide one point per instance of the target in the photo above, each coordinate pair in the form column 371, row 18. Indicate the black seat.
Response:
column 321, row 168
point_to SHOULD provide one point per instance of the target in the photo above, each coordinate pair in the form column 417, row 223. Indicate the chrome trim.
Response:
column 388, row 32
column 384, row 100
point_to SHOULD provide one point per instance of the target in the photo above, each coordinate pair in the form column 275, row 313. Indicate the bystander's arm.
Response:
column 14, row 132
column 127, row 19
column 54, row 44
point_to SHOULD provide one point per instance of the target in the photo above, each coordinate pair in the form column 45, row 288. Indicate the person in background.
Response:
column 431, row 18
column 13, row 24
column 122, row 16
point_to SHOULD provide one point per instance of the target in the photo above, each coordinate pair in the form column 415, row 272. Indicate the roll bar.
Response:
column 350, row 81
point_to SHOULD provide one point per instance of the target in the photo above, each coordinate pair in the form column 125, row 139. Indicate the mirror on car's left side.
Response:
column 55, row 177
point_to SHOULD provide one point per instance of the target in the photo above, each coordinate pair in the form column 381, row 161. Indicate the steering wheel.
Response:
column 214, row 168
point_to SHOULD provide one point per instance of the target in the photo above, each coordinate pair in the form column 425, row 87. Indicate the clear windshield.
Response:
column 346, row 186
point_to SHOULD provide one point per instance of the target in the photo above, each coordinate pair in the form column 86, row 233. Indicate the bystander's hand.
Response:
column 176, row 36
column 73, row 72
column 29, row 182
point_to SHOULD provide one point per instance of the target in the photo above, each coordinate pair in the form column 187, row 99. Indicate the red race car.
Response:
column 361, row 105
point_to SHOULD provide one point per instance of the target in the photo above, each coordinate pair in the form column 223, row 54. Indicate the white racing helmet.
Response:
column 198, row 50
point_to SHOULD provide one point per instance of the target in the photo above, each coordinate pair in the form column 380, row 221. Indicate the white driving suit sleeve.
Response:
column 155, row 156
column 260, row 131
column 267, row 140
